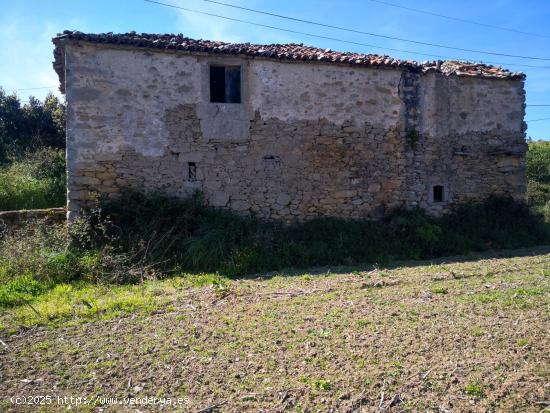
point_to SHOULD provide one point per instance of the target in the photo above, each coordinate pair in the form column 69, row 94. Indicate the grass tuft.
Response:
column 475, row 389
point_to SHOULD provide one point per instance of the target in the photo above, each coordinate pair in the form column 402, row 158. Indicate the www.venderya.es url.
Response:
column 98, row 400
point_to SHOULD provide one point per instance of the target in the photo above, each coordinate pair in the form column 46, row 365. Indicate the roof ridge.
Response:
column 285, row 51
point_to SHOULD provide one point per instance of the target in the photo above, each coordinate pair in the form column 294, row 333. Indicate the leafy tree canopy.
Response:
column 30, row 127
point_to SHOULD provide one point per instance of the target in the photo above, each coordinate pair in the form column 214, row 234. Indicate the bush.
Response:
column 496, row 224
column 36, row 181
column 21, row 290
column 538, row 174
column 538, row 193
column 538, row 162
column 163, row 233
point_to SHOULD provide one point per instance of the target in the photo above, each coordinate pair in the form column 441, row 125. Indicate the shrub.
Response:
column 162, row 233
column 42, row 254
column 538, row 162
column 538, row 193
column 495, row 224
column 37, row 249
column 538, row 174
column 415, row 235
column 21, row 290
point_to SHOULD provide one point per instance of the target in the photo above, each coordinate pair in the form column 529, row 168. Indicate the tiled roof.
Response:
column 290, row 51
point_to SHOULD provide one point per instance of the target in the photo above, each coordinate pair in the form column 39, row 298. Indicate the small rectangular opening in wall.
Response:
column 192, row 171
column 225, row 84
column 438, row 193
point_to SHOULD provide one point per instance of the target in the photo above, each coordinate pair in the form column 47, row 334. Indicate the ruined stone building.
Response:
column 286, row 131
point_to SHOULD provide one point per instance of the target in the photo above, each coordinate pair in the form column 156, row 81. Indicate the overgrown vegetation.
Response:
column 167, row 232
column 161, row 235
column 538, row 174
column 36, row 180
column 32, row 153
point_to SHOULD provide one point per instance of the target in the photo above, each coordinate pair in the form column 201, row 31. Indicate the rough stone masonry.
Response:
column 286, row 132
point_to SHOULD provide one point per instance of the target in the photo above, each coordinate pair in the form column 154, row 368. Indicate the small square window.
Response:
column 438, row 193
column 225, row 84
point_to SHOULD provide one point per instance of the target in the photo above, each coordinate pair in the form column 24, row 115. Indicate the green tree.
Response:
column 538, row 162
column 30, row 127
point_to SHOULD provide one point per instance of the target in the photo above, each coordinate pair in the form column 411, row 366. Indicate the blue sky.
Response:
column 26, row 29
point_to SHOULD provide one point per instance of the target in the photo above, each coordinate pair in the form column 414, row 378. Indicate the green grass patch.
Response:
column 523, row 342
column 477, row 332
column 85, row 301
column 513, row 297
column 21, row 290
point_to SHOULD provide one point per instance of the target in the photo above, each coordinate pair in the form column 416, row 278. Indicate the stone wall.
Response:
column 11, row 220
column 308, row 139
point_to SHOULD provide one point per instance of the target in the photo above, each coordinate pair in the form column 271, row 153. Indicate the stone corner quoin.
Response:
column 286, row 136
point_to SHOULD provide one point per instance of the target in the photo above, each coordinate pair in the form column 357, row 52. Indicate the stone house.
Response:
column 286, row 131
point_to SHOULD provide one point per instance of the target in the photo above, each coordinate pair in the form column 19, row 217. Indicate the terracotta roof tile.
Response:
column 290, row 51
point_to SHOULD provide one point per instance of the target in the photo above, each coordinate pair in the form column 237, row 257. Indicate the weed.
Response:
column 321, row 384
column 162, row 235
column 474, row 389
column 413, row 136
column 527, row 292
column 477, row 332
column 21, row 290
column 221, row 288
column 40, row 346
column 324, row 333
column 522, row 342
